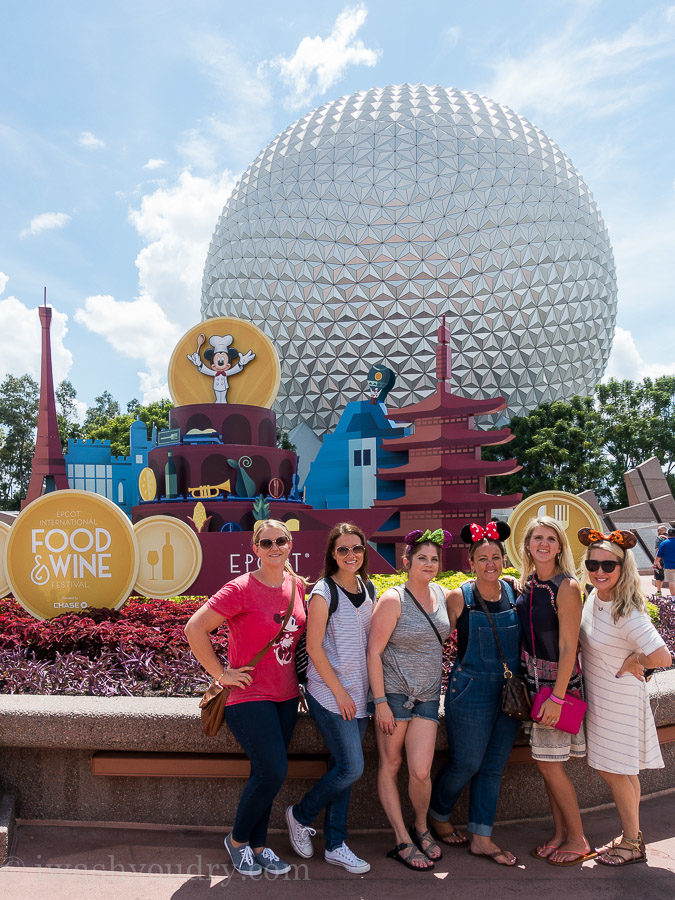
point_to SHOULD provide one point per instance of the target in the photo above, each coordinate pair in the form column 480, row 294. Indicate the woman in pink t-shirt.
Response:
column 263, row 704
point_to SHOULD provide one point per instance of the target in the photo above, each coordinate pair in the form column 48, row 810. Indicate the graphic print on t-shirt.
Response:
column 283, row 648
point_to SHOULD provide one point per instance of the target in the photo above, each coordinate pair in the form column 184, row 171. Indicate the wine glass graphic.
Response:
column 153, row 559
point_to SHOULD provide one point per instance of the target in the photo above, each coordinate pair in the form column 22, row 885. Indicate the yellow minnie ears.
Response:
column 623, row 539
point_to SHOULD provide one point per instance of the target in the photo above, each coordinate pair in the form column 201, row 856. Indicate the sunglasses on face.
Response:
column 266, row 543
column 356, row 550
column 607, row 565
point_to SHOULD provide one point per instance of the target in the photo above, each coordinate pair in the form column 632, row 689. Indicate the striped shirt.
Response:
column 345, row 644
column 620, row 730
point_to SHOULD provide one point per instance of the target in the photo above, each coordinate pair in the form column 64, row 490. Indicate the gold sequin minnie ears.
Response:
column 623, row 539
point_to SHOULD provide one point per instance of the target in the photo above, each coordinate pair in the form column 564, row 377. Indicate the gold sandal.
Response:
column 612, row 855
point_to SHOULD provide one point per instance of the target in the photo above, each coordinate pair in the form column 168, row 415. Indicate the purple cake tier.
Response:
column 252, row 426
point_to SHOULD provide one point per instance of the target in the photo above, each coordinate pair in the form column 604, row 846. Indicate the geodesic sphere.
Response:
column 370, row 217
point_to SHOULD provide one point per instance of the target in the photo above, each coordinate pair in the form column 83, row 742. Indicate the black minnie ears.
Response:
column 493, row 531
column 623, row 539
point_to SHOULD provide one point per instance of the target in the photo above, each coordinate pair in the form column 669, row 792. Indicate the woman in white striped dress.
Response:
column 618, row 642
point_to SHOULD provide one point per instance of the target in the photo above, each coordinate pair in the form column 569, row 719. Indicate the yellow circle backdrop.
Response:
column 147, row 484
column 68, row 550
column 170, row 556
column 569, row 511
column 4, row 535
column 256, row 385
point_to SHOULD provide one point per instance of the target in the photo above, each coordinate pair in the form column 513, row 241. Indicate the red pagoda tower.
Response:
column 49, row 466
column 444, row 478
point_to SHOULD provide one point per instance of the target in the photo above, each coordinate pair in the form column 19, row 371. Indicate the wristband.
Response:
column 377, row 700
column 218, row 681
column 556, row 699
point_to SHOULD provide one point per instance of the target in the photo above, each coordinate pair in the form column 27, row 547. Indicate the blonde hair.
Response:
column 563, row 559
column 281, row 526
column 627, row 593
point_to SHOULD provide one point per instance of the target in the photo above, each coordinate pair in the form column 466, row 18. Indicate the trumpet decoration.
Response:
column 209, row 491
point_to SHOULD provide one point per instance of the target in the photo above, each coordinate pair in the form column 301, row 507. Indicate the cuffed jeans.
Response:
column 264, row 729
column 343, row 739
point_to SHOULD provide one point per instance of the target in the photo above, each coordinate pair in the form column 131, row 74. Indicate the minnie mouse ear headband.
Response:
column 493, row 531
column 623, row 539
column 441, row 537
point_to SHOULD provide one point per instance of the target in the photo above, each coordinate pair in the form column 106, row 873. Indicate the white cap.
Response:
column 220, row 344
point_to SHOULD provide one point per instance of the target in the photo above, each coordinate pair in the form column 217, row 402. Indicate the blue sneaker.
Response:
column 243, row 858
column 270, row 862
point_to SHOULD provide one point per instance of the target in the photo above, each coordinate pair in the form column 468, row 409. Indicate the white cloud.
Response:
column 3, row 282
column 21, row 341
column 45, row 222
column 319, row 63
column 625, row 360
column 452, row 35
column 176, row 223
column 90, row 141
column 154, row 164
column 567, row 71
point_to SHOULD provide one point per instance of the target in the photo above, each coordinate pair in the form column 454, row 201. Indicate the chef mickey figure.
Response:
column 221, row 362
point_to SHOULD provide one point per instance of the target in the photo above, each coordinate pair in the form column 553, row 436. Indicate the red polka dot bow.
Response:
column 478, row 533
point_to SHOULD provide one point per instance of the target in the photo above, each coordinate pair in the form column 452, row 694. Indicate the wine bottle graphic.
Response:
column 170, row 478
column 167, row 558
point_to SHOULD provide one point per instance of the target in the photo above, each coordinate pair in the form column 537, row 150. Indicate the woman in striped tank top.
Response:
column 618, row 642
column 338, row 623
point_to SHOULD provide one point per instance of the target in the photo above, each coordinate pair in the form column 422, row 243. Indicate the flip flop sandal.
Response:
column 538, row 855
column 405, row 860
column 462, row 839
column 424, row 842
column 578, row 857
column 493, row 857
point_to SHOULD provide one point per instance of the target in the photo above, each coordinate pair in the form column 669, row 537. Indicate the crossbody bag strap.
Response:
column 534, row 654
column 425, row 614
column 507, row 672
column 259, row 655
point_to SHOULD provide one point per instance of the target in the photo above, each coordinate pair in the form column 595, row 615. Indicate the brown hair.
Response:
column 330, row 566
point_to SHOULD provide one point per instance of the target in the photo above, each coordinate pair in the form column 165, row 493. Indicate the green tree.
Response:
column 66, row 413
column 19, row 406
column 103, row 408
column 116, row 427
column 559, row 447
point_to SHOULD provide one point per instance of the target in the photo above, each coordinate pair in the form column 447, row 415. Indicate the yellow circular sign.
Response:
column 69, row 550
column 147, row 484
column 4, row 584
column 224, row 360
column 569, row 511
column 170, row 556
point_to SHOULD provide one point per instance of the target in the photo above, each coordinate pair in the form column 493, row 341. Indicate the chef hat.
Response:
column 220, row 344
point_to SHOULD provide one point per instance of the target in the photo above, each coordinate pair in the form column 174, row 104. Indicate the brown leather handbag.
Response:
column 215, row 697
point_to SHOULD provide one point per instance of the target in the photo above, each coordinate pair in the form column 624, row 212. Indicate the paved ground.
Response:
column 73, row 863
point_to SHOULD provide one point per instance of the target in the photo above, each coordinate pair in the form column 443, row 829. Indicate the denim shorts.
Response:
column 421, row 709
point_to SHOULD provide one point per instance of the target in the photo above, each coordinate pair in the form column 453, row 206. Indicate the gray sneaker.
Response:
column 299, row 835
column 243, row 858
column 343, row 856
column 271, row 863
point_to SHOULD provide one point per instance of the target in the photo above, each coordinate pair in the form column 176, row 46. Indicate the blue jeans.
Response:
column 264, row 729
column 343, row 740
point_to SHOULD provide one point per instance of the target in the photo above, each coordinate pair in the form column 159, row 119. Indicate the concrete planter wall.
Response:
column 47, row 744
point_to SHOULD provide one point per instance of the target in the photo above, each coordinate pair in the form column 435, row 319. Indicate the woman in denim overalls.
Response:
column 480, row 735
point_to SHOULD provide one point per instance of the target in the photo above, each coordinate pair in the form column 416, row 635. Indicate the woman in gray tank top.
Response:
column 405, row 663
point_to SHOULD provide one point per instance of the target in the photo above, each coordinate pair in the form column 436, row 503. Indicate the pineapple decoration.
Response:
column 261, row 508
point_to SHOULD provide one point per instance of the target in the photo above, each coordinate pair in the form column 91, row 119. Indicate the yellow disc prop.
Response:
column 170, row 556
column 569, row 511
column 4, row 583
column 199, row 373
column 69, row 550
column 147, row 484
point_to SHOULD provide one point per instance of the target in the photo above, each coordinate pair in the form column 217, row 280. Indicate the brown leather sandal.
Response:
column 612, row 856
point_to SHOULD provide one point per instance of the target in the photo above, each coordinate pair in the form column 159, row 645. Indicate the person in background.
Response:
column 549, row 608
column 263, row 704
column 337, row 692
column 618, row 642
column 661, row 535
column 666, row 560
column 480, row 735
column 405, row 664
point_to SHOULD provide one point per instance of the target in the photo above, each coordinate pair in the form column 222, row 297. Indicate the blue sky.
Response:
column 124, row 125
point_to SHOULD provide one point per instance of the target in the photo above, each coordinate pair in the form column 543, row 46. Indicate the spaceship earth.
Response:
column 366, row 220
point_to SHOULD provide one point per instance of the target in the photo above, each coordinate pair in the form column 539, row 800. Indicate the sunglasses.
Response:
column 607, row 565
column 357, row 550
column 266, row 543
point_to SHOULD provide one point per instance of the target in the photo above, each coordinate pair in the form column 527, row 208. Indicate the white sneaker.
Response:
column 343, row 856
column 299, row 835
